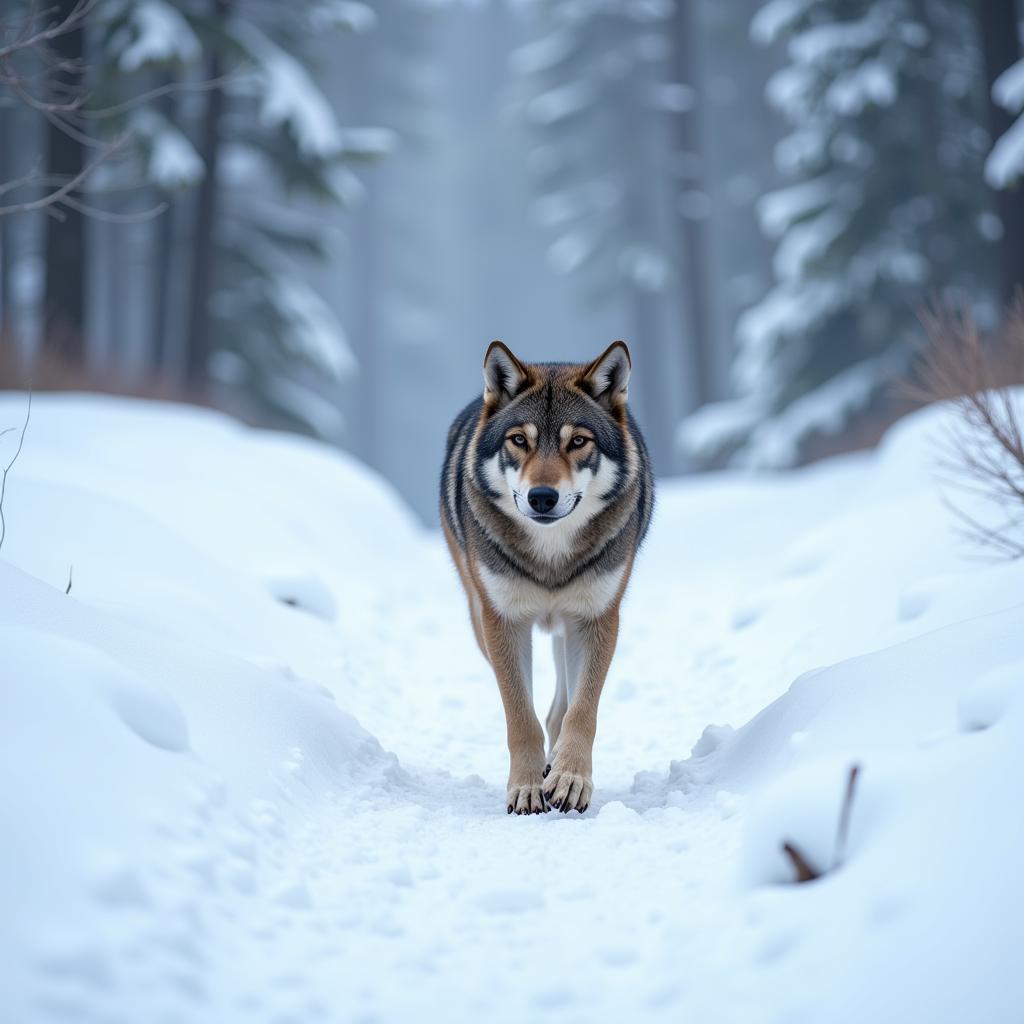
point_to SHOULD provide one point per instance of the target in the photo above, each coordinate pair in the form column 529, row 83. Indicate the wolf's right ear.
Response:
column 504, row 375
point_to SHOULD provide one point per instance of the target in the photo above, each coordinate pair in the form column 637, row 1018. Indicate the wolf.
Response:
column 546, row 496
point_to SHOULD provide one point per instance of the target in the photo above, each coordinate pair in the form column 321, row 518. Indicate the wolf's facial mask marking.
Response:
column 553, row 454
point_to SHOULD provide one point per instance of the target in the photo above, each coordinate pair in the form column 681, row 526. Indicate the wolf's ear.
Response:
column 606, row 379
column 504, row 375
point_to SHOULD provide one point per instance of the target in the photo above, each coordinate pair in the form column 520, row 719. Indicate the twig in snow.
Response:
column 844, row 817
column 804, row 871
column 71, row 569
column 7, row 469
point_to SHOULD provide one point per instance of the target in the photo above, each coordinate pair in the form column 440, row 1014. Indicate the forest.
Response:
column 316, row 215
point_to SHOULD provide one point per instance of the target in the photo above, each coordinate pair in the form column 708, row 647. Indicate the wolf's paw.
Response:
column 567, row 789
column 526, row 799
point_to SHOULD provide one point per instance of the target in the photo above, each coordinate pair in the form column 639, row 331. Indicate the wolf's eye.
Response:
column 519, row 440
column 578, row 441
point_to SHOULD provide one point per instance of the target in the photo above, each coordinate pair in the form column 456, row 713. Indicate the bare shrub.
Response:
column 984, row 450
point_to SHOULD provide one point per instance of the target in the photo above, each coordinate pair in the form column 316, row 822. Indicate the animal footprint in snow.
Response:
column 747, row 614
column 153, row 716
column 920, row 597
column 802, row 563
column 305, row 592
column 989, row 698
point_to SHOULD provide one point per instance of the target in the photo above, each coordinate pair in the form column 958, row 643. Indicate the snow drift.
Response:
column 253, row 764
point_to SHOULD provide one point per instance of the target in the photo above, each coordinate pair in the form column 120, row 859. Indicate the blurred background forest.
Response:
column 316, row 214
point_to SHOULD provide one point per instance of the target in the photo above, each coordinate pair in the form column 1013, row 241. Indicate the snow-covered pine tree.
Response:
column 258, row 143
column 275, row 344
column 594, row 86
column 885, row 209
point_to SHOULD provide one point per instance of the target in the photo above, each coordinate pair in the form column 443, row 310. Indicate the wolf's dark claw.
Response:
column 547, row 768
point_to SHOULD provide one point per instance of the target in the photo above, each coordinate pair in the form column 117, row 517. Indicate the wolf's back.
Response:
column 454, row 470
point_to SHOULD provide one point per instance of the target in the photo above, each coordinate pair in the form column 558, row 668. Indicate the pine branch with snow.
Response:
column 1005, row 165
column 885, row 204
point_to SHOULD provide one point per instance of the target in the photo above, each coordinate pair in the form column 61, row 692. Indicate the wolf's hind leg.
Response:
column 561, row 699
column 568, row 783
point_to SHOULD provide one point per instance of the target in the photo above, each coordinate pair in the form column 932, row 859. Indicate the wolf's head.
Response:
column 553, row 446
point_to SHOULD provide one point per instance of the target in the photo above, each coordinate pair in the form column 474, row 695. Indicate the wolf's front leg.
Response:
column 590, row 644
column 510, row 649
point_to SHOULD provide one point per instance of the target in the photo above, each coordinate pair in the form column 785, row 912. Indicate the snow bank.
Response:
column 254, row 764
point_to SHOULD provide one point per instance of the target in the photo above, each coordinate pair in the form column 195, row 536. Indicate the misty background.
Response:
column 316, row 215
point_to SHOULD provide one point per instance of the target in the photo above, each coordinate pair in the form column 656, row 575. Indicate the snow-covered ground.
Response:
column 253, row 764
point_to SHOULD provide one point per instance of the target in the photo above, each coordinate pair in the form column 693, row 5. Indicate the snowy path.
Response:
column 205, row 834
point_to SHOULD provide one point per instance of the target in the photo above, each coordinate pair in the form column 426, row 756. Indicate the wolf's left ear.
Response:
column 606, row 379
column 504, row 375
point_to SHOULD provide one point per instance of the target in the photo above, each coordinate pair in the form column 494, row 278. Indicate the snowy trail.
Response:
column 257, row 762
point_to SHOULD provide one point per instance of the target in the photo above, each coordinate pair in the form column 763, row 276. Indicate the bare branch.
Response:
column 984, row 450
column 63, row 193
column 35, row 39
column 110, row 217
column 7, row 469
column 172, row 88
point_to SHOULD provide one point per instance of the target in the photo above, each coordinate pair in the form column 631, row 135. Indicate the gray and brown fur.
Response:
column 527, row 557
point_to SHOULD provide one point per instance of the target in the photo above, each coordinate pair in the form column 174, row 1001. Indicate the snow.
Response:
column 808, row 242
column 312, row 331
column 872, row 82
column 254, row 765
column 172, row 161
column 542, row 54
column 289, row 97
column 774, row 18
column 159, row 34
column 1005, row 164
column 778, row 211
column 821, row 43
column 673, row 97
column 824, row 410
column 561, row 102
column 717, row 425
column 789, row 309
column 1008, row 88
column 332, row 14
column 368, row 141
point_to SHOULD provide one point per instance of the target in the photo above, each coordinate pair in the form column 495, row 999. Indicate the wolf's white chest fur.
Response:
column 520, row 599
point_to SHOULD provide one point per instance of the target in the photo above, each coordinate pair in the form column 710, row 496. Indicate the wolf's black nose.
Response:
column 542, row 499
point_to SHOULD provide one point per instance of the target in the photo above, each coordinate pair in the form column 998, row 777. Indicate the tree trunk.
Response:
column 998, row 21
column 7, row 172
column 204, row 233
column 64, row 300
column 162, row 238
column 696, row 283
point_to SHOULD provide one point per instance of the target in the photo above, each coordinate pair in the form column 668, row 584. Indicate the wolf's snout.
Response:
column 542, row 499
